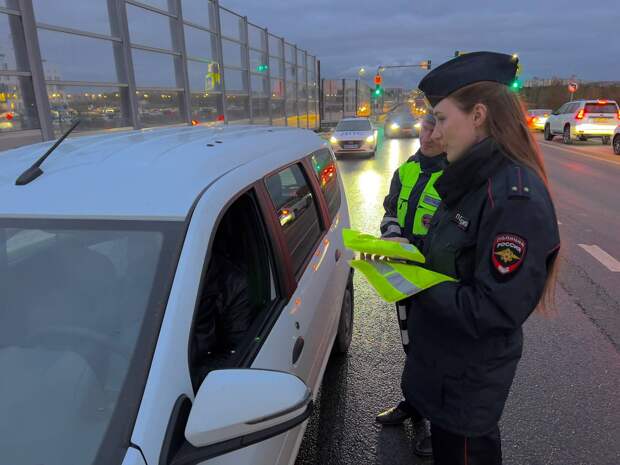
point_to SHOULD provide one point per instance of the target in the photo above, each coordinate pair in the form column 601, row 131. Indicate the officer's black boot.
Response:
column 423, row 446
column 395, row 415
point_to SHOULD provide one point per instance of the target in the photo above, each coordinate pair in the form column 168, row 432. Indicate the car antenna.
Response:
column 35, row 171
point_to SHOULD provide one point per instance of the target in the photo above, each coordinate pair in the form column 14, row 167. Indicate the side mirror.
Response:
column 237, row 408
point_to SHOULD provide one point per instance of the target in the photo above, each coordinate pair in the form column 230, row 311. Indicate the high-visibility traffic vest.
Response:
column 393, row 280
column 365, row 243
column 427, row 203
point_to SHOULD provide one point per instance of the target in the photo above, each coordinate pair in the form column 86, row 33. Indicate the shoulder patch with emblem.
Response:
column 508, row 252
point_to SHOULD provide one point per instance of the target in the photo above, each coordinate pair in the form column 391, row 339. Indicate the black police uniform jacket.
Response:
column 496, row 231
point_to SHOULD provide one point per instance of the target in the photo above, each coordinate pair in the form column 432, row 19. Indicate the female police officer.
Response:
column 496, row 232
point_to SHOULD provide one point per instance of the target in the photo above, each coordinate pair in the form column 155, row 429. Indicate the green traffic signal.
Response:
column 516, row 85
column 262, row 68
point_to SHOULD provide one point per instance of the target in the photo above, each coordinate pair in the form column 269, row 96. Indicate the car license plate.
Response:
column 350, row 146
column 601, row 120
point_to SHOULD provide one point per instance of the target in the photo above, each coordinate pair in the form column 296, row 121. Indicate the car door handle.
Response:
column 337, row 254
column 297, row 349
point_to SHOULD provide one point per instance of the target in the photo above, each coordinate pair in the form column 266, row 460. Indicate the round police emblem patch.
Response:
column 508, row 252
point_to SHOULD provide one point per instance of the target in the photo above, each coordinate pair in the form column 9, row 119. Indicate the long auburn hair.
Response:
column 506, row 124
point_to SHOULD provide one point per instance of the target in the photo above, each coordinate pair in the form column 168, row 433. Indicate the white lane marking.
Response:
column 606, row 260
column 577, row 152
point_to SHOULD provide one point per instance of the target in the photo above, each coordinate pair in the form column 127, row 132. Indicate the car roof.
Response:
column 141, row 174
column 355, row 119
column 594, row 101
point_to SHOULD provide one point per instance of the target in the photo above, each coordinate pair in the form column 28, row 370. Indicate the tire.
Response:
column 345, row 324
column 372, row 154
column 583, row 139
column 617, row 144
column 566, row 139
column 606, row 140
column 547, row 131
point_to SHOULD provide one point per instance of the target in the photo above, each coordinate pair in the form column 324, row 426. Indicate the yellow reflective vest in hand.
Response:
column 365, row 243
column 393, row 280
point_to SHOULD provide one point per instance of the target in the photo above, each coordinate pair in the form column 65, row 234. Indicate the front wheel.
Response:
column 606, row 140
column 617, row 144
column 566, row 135
column 548, row 135
column 345, row 325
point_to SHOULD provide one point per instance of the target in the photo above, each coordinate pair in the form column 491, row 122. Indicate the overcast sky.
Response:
column 552, row 37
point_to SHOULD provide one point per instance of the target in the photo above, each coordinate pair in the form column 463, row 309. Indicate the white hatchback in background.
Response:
column 354, row 136
column 169, row 296
column 584, row 119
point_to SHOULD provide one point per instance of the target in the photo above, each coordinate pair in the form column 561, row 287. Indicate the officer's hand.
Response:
column 403, row 240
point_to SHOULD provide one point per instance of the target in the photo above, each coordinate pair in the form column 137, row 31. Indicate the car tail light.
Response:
column 618, row 113
column 580, row 114
column 602, row 102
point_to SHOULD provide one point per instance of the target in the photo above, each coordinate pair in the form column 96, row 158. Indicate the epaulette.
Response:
column 518, row 183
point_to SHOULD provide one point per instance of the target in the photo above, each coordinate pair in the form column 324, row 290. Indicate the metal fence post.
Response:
column 344, row 91
column 356, row 91
column 220, row 57
column 36, row 69
column 307, row 88
column 182, row 78
column 248, row 72
column 269, row 104
column 124, row 62
column 284, row 76
column 296, row 84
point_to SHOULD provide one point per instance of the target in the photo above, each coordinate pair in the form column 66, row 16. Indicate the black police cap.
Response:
column 467, row 69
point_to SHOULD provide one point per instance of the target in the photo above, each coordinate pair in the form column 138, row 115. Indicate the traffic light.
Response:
column 425, row 64
column 262, row 68
column 378, row 92
column 516, row 85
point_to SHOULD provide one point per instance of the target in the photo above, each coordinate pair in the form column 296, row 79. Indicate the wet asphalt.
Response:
column 564, row 406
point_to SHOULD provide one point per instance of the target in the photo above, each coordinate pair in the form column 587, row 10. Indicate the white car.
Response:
column 616, row 140
column 354, row 136
column 169, row 296
column 583, row 119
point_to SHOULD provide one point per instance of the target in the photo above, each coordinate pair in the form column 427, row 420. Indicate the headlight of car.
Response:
column 370, row 139
column 333, row 140
column 394, row 126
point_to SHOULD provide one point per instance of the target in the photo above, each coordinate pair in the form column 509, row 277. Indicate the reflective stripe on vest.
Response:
column 365, row 243
column 427, row 203
column 395, row 281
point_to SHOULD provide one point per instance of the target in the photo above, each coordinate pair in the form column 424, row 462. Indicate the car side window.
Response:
column 327, row 173
column 297, row 212
column 238, row 291
column 560, row 111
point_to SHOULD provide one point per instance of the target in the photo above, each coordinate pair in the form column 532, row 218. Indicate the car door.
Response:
column 555, row 119
column 335, row 262
column 296, row 209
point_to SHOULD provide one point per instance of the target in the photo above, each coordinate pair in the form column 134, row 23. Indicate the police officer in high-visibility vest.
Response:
column 409, row 208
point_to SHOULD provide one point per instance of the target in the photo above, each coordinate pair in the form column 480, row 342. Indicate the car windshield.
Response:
column 77, row 301
column 354, row 125
column 609, row 108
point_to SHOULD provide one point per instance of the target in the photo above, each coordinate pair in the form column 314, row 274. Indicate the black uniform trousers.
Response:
column 454, row 449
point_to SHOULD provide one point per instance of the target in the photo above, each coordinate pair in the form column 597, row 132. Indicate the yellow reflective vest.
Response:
column 393, row 276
